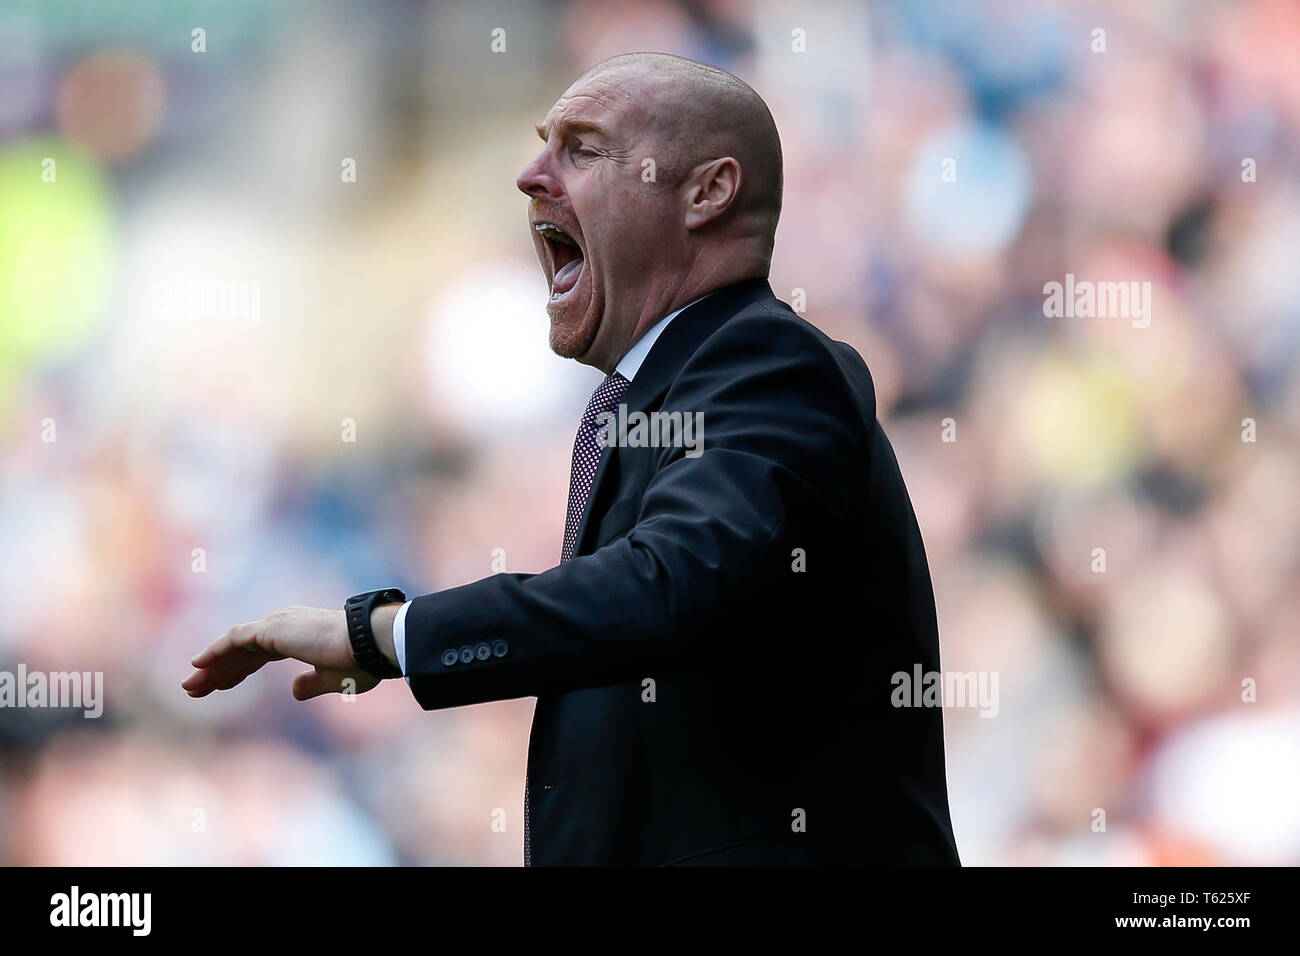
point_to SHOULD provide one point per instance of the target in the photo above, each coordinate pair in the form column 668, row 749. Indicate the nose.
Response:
column 536, row 181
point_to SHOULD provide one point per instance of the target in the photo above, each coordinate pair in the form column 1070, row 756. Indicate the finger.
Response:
column 226, row 672
column 319, row 681
column 310, row 684
column 196, row 685
column 205, row 681
column 241, row 635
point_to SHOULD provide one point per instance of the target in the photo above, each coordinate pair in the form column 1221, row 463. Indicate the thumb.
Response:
column 318, row 681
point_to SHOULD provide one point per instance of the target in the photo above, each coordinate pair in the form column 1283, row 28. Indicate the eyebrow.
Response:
column 573, row 126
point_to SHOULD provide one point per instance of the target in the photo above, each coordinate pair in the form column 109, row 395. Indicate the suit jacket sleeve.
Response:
column 784, row 442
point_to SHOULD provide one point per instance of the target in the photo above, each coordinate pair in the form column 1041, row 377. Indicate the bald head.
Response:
column 659, row 181
column 700, row 113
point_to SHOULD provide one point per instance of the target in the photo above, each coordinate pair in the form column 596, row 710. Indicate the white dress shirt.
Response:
column 628, row 366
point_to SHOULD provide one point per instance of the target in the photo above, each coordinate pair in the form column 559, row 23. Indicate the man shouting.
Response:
column 713, row 657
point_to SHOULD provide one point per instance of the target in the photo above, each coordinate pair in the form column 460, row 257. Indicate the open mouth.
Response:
column 565, row 255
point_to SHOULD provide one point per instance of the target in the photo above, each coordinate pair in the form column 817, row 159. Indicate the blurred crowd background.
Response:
column 202, row 309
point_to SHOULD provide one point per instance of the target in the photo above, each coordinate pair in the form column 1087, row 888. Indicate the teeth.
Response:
column 552, row 232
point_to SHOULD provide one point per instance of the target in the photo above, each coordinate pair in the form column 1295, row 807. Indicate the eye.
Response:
column 580, row 150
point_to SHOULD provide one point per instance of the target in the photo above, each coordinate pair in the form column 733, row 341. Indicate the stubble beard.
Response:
column 572, row 340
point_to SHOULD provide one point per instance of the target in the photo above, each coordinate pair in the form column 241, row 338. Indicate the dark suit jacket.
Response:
column 713, row 668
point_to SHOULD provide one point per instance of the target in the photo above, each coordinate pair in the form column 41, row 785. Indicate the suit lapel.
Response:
column 674, row 346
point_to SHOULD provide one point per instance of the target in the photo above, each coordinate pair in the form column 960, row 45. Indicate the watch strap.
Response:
column 357, row 610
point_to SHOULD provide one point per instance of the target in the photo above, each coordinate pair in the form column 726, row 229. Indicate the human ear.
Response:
column 711, row 190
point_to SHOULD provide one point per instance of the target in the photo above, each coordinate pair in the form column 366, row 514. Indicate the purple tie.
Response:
column 586, row 456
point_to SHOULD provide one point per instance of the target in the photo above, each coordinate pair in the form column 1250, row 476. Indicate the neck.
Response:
column 698, row 279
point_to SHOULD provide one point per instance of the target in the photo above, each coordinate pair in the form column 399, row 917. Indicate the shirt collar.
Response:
column 631, row 362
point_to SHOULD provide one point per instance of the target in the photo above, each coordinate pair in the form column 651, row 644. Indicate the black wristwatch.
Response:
column 367, row 653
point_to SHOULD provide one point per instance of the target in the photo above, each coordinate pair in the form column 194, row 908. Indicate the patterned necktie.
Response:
column 586, row 456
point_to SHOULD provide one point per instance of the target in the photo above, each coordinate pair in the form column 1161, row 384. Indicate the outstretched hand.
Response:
column 315, row 636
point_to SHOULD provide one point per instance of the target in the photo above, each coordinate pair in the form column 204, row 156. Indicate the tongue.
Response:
column 567, row 277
